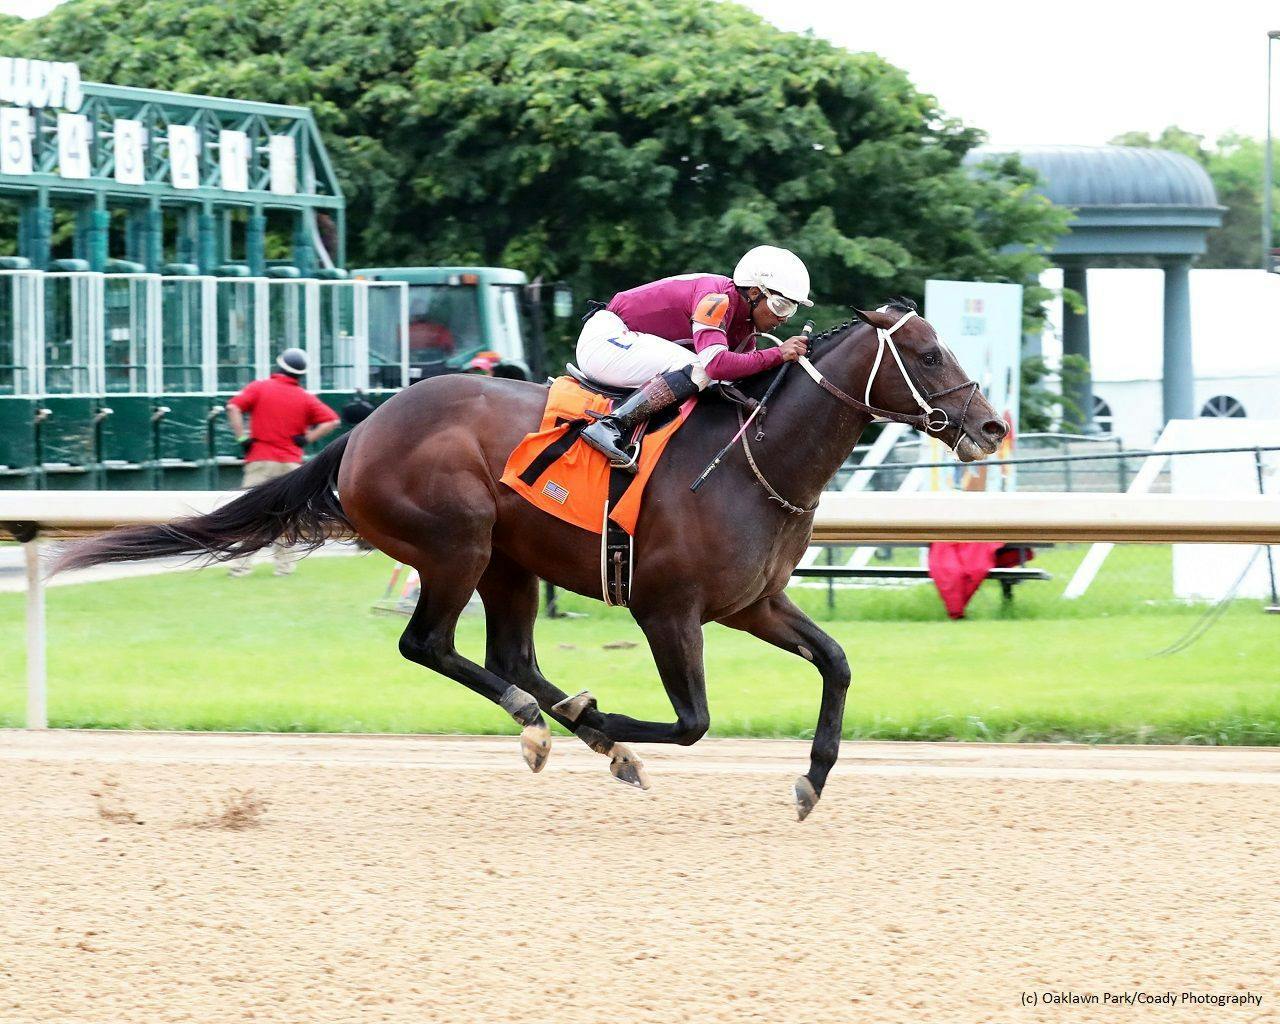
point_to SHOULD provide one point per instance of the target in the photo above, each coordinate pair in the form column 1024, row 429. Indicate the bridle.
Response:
column 930, row 420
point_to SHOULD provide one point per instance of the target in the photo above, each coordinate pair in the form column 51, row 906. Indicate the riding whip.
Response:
column 805, row 332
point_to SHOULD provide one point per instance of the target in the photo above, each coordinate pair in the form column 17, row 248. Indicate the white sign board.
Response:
column 233, row 160
column 184, row 156
column 40, row 83
column 981, row 323
column 74, row 158
column 284, row 165
column 1209, row 571
column 130, row 168
column 15, row 140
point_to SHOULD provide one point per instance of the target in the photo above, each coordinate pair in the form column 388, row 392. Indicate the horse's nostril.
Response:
column 995, row 429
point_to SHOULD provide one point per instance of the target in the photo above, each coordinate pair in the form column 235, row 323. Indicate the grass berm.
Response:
column 196, row 650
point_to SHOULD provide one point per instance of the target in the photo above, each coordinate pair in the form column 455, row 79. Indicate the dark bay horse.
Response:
column 419, row 480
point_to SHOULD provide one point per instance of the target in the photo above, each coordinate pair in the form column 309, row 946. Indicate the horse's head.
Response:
column 911, row 375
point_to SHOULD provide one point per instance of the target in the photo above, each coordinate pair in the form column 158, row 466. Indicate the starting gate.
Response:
column 122, row 380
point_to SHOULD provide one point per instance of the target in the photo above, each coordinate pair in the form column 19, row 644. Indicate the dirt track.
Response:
column 422, row 879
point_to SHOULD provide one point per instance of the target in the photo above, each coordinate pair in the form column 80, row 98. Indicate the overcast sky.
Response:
column 1074, row 71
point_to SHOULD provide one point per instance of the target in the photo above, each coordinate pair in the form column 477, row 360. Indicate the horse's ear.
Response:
column 876, row 319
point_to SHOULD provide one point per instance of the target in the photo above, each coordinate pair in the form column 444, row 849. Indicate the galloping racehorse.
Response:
column 419, row 480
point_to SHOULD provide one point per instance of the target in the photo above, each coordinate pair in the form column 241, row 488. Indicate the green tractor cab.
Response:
column 457, row 317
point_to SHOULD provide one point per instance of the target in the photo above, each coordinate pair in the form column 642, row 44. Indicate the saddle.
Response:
column 718, row 389
column 570, row 480
column 591, row 384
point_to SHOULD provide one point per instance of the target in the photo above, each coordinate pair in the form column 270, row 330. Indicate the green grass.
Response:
column 200, row 651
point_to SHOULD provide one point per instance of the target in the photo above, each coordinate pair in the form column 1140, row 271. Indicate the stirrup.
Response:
column 630, row 454
column 632, row 465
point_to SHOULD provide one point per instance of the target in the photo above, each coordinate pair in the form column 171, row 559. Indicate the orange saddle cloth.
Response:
column 565, row 477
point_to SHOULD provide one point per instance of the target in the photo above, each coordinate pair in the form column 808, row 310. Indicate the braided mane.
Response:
column 900, row 303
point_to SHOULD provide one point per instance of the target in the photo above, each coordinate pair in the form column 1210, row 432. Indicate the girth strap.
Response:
column 617, row 547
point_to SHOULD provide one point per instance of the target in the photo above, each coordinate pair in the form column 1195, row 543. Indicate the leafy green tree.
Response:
column 1044, row 408
column 602, row 143
column 1235, row 165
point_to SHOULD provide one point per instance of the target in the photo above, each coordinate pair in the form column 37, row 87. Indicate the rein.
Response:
column 928, row 421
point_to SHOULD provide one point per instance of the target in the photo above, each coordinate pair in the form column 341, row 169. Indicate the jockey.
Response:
column 675, row 336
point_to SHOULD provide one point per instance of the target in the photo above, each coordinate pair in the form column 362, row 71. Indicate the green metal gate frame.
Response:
column 205, row 212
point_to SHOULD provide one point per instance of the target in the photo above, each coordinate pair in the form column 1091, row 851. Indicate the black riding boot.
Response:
column 605, row 434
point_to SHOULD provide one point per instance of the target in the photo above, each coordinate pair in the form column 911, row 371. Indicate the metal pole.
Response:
column 1271, row 568
column 1267, row 174
column 37, row 714
column 831, row 583
column 551, row 607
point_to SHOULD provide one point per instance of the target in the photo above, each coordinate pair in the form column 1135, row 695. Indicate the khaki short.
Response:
column 260, row 472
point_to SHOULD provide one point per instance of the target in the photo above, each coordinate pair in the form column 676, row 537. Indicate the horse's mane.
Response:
column 832, row 335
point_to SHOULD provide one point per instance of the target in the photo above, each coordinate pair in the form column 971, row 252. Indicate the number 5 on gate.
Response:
column 15, row 141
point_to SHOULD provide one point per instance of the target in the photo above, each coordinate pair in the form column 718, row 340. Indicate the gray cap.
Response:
column 292, row 360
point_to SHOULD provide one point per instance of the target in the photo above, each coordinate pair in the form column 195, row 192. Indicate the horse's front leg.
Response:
column 510, row 595
column 778, row 621
column 675, row 640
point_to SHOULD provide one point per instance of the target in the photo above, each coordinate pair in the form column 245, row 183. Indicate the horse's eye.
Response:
column 930, row 359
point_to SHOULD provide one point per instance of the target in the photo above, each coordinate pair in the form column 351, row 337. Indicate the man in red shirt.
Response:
column 284, row 416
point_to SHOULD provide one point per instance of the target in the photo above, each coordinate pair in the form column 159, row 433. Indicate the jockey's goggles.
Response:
column 780, row 305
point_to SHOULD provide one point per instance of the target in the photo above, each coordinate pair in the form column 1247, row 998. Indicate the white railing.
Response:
column 868, row 517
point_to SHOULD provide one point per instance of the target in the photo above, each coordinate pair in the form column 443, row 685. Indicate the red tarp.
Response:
column 959, row 569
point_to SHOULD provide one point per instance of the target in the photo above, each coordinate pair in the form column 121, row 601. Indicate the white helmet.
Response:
column 776, row 270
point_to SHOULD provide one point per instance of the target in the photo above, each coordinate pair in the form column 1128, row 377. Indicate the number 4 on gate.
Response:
column 74, row 160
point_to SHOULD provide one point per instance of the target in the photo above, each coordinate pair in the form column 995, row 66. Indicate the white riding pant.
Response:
column 622, row 358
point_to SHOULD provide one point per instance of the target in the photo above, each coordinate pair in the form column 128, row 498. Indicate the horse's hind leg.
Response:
column 428, row 640
column 510, row 595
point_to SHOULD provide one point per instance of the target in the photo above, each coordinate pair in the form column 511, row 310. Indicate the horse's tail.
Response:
column 299, row 508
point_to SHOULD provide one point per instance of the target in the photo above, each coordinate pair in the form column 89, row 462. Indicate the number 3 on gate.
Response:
column 128, row 138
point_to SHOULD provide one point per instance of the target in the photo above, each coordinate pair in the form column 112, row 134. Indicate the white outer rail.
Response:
column 1120, row 518
column 852, row 518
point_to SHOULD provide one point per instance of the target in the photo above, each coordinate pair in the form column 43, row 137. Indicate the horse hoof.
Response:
column 535, row 744
column 626, row 767
column 806, row 797
column 573, row 707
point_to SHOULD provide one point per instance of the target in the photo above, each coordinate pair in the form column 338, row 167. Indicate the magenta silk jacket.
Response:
column 703, row 312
